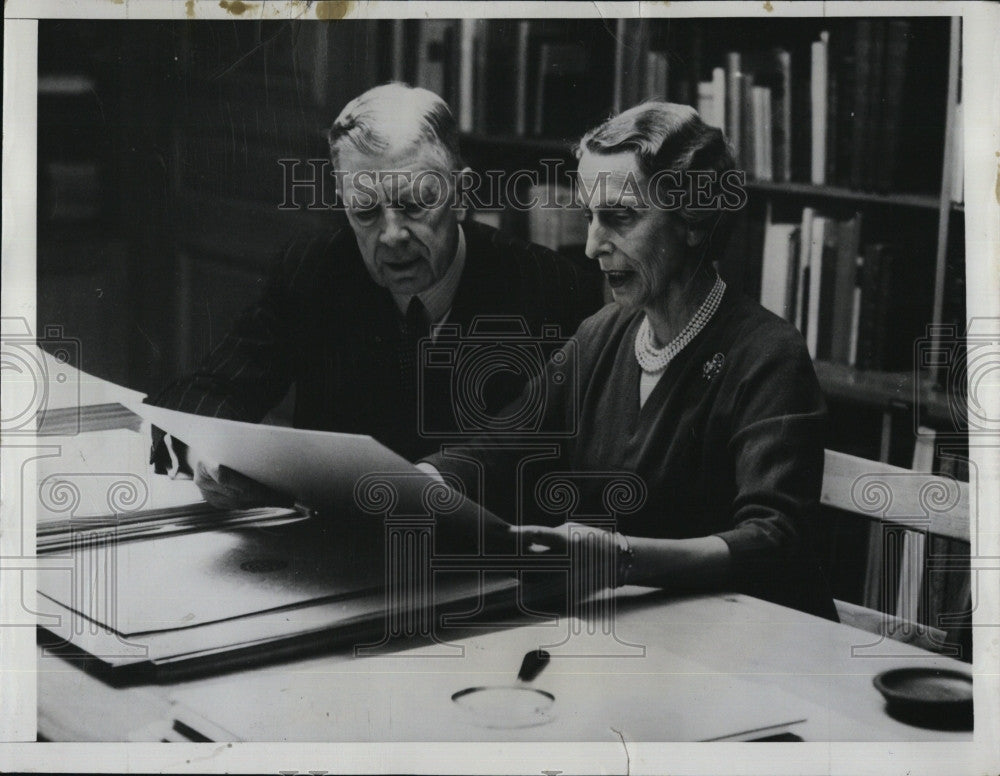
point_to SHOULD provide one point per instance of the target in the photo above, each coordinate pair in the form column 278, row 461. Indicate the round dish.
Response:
column 928, row 697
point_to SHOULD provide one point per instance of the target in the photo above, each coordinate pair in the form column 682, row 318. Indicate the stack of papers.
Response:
column 194, row 589
column 58, row 421
column 62, row 535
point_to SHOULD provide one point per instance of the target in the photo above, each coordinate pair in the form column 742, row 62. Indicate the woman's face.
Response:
column 641, row 248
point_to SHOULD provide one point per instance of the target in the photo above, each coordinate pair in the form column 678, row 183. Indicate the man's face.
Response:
column 400, row 205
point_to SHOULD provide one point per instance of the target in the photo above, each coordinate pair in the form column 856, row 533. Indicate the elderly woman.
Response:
column 707, row 397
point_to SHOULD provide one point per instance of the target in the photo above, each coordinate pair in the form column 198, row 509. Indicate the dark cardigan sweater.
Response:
column 729, row 442
column 323, row 326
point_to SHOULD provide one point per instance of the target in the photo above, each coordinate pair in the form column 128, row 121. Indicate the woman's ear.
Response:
column 696, row 236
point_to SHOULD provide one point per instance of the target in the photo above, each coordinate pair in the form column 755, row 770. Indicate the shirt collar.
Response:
column 438, row 298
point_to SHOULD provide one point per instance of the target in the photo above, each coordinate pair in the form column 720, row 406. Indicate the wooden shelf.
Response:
column 563, row 149
column 880, row 389
column 812, row 191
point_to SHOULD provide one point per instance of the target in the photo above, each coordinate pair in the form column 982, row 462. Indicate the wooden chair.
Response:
column 915, row 583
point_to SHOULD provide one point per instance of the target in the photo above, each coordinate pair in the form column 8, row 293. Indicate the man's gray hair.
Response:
column 398, row 116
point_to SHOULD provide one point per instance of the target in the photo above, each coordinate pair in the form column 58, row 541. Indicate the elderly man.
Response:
column 341, row 315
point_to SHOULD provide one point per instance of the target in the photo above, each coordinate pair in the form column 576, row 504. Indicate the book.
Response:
column 521, row 63
column 897, row 52
column 778, row 268
column 718, row 117
column 768, row 75
column 765, row 159
column 656, row 75
column 860, row 104
column 706, row 101
column 435, row 56
column 852, row 357
column 874, row 313
column 801, row 110
column 781, row 114
column 818, row 108
column 832, row 83
column 875, row 111
column 842, row 114
column 843, row 313
column 748, row 131
column 828, row 283
column 818, row 263
column 499, row 106
column 559, row 112
column 802, row 287
column 734, row 102
column 470, row 37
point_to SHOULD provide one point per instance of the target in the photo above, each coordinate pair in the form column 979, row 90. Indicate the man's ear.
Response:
column 462, row 206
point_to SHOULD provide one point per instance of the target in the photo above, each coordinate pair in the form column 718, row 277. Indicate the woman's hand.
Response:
column 703, row 562
column 557, row 540
column 592, row 553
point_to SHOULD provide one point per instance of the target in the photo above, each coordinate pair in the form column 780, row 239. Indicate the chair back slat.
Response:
column 924, row 502
column 927, row 506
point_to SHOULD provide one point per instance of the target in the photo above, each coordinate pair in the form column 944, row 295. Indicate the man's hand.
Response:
column 224, row 488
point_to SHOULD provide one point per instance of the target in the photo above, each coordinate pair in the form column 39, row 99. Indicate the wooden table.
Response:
column 815, row 662
column 827, row 667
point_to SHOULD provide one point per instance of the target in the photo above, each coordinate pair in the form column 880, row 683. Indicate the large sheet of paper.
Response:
column 318, row 468
column 184, row 581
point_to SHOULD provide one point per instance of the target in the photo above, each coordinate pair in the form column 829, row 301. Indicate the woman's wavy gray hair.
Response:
column 396, row 116
column 670, row 136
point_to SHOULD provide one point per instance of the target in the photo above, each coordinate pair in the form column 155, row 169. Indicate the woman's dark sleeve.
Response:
column 494, row 468
column 777, row 447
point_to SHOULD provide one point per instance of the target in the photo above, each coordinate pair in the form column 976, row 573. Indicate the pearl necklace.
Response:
column 653, row 359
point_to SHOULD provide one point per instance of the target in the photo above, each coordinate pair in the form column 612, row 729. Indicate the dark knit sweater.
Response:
column 729, row 443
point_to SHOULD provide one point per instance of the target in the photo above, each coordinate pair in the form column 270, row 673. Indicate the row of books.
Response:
column 847, row 109
column 750, row 99
column 832, row 120
column 514, row 77
column 818, row 275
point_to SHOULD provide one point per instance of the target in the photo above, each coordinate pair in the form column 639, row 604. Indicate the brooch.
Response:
column 713, row 366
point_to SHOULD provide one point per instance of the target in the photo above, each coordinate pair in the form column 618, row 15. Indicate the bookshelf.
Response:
column 904, row 192
column 227, row 100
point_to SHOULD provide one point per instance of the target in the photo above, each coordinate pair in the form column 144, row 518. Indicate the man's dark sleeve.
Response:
column 250, row 371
